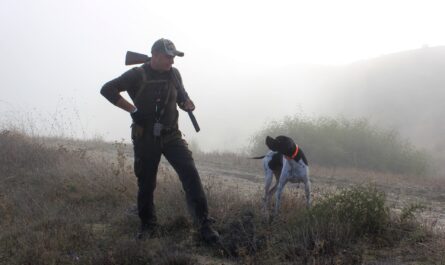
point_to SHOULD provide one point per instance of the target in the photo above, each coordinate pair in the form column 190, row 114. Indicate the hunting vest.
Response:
column 156, row 99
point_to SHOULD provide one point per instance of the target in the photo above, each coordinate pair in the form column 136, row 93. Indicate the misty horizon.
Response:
column 253, row 104
column 57, row 56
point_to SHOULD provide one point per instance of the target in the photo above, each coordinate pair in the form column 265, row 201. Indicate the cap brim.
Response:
column 175, row 53
column 178, row 53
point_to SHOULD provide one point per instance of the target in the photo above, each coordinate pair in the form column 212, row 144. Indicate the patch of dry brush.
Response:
column 61, row 205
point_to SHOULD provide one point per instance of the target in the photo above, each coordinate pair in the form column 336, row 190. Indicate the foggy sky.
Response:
column 246, row 62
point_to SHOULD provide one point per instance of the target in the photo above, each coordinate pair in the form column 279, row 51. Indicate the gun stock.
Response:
column 135, row 58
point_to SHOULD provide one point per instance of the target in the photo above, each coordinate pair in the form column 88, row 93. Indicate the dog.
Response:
column 285, row 160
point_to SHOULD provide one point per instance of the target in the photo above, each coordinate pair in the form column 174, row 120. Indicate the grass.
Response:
column 64, row 204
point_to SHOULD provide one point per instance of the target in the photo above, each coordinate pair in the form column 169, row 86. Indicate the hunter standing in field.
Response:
column 155, row 89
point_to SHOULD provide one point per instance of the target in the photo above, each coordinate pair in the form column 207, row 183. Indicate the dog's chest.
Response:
column 297, row 171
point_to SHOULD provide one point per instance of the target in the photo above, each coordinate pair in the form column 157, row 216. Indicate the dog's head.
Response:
column 281, row 144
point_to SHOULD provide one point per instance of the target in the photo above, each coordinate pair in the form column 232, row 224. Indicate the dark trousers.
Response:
column 147, row 155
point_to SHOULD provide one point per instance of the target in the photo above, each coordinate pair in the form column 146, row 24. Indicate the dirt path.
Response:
column 400, row 194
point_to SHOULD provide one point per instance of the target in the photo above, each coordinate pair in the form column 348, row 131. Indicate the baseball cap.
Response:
column 166, row 46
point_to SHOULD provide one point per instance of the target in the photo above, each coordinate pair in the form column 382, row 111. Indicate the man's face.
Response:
column 162, row 61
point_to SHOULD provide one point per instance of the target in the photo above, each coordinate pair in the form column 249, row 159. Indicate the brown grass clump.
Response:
column 52, row 199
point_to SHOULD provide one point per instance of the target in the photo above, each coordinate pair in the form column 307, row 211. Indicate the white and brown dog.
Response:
column 288, row 163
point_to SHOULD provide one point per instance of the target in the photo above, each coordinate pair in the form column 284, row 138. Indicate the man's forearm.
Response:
column 125, row 105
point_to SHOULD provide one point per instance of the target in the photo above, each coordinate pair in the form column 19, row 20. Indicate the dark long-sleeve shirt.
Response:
column 152, row 97
column 130, row 81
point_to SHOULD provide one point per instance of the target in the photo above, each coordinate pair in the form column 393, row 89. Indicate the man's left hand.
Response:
column 188, row 105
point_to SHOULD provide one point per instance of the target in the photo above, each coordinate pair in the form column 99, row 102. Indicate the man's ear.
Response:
column 271, row 143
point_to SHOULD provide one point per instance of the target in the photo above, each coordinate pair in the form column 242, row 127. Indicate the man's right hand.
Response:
column 137, row 117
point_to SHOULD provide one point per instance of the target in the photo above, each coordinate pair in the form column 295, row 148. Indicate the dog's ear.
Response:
column 271, row 143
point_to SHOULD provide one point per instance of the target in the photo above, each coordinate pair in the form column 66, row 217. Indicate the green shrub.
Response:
column 336, row 222
column 360, row 210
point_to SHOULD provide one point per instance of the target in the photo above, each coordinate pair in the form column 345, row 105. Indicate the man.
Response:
column 155, row 89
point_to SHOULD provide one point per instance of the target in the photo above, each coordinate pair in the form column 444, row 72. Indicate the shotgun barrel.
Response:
column 194, row 121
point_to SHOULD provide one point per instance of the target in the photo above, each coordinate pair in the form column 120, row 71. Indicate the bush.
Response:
column 359, row 210
column 347, row 143
column 337, row 222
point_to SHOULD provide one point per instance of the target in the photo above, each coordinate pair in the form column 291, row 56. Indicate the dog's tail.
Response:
column 257, row 157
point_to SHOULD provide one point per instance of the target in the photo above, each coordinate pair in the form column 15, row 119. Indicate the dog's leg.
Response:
column 267, row 182
column 280, row 189
column 277, row 174
column 307, row 188
column 284, row 177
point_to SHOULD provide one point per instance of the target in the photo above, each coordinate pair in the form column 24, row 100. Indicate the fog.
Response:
column 246, row 63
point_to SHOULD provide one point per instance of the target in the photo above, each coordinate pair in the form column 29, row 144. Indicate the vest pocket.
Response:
column 137, row 132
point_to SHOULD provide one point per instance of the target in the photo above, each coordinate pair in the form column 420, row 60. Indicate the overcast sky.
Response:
column 56, row 55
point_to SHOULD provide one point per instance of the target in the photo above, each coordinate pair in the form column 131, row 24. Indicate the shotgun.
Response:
column 138, row 58
column 135, row 58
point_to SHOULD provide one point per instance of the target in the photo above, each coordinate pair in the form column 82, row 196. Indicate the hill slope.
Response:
column 404, row 91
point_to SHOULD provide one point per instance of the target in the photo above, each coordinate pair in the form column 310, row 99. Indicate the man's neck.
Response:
column 156, row 69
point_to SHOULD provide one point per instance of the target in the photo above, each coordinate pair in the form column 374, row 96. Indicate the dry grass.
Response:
column 65, row 204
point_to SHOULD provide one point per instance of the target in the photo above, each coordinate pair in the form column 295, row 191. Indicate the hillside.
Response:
column 404, row 91
column 70, row 202
column 401, row 91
